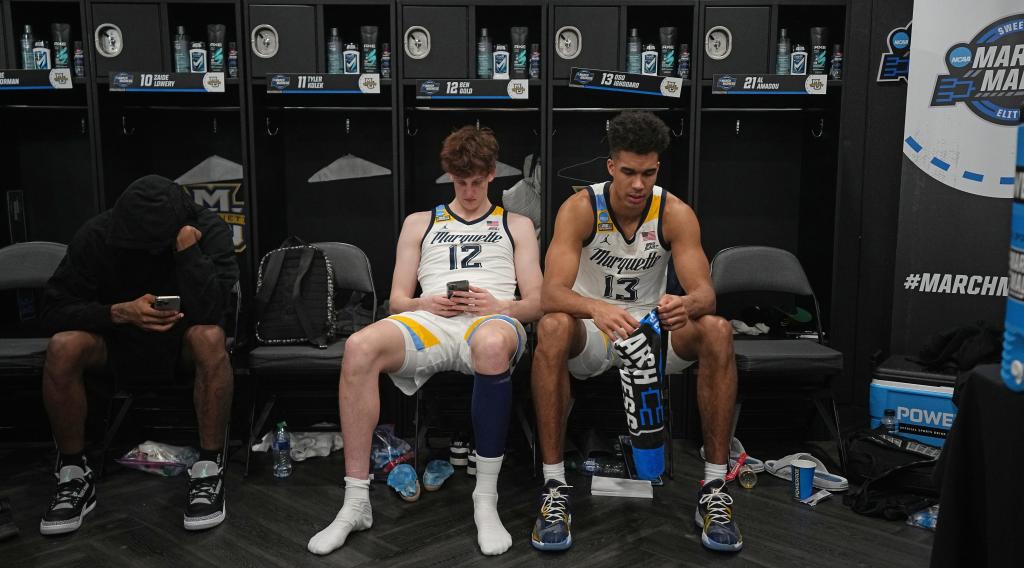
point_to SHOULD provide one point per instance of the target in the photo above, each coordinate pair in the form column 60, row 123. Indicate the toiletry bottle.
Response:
column 28, row 43
column 520, row 54
column 385, row 60
column 232, row 60
column 798, row 61
column 684, row 61
column 350, row 59
column 535, row 61
column 836, row 69
column 484, row 58
column 501, row 66
column 215, row 45
column 79, row 60
column 633, row 50
column 334, row 52
column 61, row 35
column 819, row 51
column 649, row 60
column 197, row 57
column 783, row 54
column 41, row 52
column 370, row 62
column 668, row 51
column 181, row 46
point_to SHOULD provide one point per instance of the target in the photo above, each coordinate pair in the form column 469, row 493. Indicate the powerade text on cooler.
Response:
column 1013, row 339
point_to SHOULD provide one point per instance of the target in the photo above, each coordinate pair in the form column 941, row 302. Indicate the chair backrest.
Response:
column 758, row 269
column 352, row 269
column 29, row 265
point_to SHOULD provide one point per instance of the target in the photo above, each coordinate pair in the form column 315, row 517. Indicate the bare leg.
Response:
column 215, row 383
column 709, row 340
column 559, row 336
column 68, row 354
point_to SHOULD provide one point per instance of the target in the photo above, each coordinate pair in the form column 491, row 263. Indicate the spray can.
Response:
column 819, row 51
column 79, row 60
column 484, row 58
column 334, row 52
column 798, row 61
column 385, row 60
column 41, row 53
column 350, row 59
column 684, row 61
column 649, row 60
column 215, row 38
column 668, row 51
column 535, row 61
column 28, row 43
column 181, row 45
column 61, row 34
column 782, row 55
column 520, row 55
column 197, row 57
column 232, row 60
column 633, row 52
column 369, row 36
column 501, row 66
column 1013, row 339
column 835, row 71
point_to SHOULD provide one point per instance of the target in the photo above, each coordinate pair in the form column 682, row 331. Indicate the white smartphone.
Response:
column 168, row 303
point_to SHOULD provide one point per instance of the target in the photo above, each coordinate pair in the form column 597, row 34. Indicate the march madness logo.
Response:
column 225, row 199
column 895, row 64
column 986, row 74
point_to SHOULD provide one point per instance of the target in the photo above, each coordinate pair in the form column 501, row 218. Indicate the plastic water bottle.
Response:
column 889, row 421
column 282, row 452
column 1013, row 340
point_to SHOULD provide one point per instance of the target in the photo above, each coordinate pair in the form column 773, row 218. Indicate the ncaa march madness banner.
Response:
column 964, row 95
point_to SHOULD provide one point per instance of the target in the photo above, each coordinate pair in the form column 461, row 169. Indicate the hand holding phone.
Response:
column 167, row 303
column 457, row 286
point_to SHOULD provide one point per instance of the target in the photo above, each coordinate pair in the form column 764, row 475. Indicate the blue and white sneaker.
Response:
column 553, row 529
column 436, row 473
column 714, row 517
column 403, row 480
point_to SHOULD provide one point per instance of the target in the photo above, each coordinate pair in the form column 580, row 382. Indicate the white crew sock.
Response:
column 355, row 515
column 554, row 471
column 714, row 471
column 490, row 533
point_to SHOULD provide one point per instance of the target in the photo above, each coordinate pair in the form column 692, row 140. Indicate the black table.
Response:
column 981, row 513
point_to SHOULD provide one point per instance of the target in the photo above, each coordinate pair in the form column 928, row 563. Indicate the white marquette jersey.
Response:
column 481, row 251
column 627, row 273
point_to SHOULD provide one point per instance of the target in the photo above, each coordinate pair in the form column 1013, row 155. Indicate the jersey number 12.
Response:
column 470, row 252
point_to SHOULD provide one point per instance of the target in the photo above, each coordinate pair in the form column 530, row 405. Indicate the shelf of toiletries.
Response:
column 36, row 53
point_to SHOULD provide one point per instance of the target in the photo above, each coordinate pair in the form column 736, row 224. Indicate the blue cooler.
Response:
column 923, row 400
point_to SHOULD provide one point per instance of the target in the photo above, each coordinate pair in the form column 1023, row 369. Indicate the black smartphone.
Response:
column 167, row 303
column 457, row 286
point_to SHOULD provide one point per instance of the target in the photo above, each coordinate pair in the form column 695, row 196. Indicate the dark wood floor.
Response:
column 137, row 522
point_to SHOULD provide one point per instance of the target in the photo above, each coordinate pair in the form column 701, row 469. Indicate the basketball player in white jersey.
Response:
column 478, row 332
column 606, row 268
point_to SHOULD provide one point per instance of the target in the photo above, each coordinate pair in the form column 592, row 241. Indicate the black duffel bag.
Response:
column 894, row 474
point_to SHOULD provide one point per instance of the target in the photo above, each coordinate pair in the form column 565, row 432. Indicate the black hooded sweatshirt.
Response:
column 129, row 250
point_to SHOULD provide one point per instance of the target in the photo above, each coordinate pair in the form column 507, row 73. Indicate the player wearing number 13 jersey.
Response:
column 478, row 331
column 606, row 268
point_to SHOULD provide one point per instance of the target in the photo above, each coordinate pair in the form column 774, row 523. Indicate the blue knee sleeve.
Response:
column 492, row 405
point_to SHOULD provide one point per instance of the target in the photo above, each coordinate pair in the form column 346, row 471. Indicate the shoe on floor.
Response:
column 74, row 498
column 205, row 506
column 436, row 473
column 553, row 529
column 458, row 452
column 714, row 517
column 403, row 480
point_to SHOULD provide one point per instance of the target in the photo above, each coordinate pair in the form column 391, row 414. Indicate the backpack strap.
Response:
column 275, row 260
column 305, row 261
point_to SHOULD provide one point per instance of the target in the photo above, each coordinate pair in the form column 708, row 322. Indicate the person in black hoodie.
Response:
column 155, row 241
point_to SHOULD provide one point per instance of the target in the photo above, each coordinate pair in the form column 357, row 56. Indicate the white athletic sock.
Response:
column 355, row 515
column 490, row 533
column 714, row 471
column 554, row 471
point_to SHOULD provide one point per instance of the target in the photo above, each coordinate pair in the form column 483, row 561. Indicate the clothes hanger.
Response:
column 211, row 170
column 564, row 171
column 348, row 166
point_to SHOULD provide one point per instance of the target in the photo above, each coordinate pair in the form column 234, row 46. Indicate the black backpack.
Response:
column 295, row 296
column 895, row 474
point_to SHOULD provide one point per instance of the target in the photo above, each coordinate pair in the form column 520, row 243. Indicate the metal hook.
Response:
column 821, row 128
column 478, row 124
column 737, row 127
column 348, row 125
column 276, row 130
column 83, row 125
column 607, row 125
column 682, row 128
column 408, row 130
column 124, row 126
column 215, row 125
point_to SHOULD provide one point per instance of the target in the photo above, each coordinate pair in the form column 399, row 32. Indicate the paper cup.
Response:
column 802, row 472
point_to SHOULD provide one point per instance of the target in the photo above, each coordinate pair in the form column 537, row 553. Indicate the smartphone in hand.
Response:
column 167, row 303
column 457, row 286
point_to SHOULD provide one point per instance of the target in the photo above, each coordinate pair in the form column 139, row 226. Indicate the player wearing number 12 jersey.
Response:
column 606, row 267
column 478, row 331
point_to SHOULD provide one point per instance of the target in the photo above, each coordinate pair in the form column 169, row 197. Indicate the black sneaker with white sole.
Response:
column 74, row 498
column 205, row 506
column 458, row 452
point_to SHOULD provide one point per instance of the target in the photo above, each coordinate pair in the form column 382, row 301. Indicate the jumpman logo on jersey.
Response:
column 605, row 241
